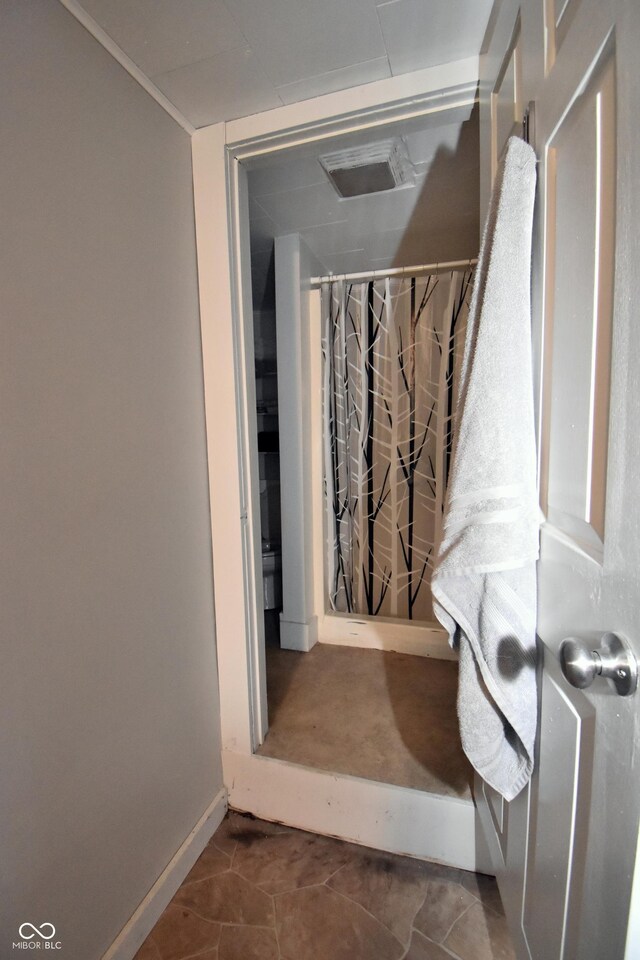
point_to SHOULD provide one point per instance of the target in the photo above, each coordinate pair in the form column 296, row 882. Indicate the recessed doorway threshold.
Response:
column 374, row 714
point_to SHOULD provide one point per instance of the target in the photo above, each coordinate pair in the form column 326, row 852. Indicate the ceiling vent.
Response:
column 371, row 168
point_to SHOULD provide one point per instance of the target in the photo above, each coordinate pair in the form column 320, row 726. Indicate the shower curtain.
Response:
column 391, row 354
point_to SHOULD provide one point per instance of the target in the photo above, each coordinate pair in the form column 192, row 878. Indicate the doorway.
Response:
column 363, row 366
column 398, row 817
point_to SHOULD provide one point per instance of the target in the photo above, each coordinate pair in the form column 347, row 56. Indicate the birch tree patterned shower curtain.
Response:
column 391, row 353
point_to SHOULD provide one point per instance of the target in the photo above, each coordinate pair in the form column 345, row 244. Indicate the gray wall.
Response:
column 109, row 731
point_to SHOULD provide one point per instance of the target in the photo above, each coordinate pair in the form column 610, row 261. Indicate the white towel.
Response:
column 484, row 582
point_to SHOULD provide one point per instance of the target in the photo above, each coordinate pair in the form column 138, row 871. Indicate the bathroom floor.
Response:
column 261, row 891
column 383, row 716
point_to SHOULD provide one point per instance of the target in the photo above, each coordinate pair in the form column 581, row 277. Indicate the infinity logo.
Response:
column 40, row 932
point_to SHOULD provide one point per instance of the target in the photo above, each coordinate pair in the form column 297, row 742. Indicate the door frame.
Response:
column 376, row 814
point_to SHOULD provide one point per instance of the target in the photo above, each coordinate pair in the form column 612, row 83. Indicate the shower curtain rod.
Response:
column 394, row 272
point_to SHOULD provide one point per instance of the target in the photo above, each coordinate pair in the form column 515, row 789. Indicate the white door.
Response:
column 565, row 849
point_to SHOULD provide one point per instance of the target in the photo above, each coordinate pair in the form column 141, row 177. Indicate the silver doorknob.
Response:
column 614, row 659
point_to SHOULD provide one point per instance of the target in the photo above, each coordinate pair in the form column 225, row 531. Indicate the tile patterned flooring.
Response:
column 262, row 891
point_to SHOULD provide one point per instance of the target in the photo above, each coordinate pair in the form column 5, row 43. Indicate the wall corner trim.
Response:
column 103, row 38
column 141, row 923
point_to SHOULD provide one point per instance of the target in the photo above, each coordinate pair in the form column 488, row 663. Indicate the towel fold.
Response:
column 484, row 582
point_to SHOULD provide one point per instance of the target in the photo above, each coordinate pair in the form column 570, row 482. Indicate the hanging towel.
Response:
column 484, row 582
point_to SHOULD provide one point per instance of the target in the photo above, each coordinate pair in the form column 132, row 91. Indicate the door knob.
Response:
column 614, row 659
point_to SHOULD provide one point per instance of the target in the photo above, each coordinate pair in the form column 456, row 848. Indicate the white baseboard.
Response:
column 298, row 636
column 377, row 815
column 376, row 633
column 140, row 925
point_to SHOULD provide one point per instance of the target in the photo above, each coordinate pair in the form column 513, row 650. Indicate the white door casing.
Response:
column 564, row 851
column 375, row 814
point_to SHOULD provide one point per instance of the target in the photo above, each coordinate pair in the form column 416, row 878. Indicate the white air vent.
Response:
column 371, row 168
